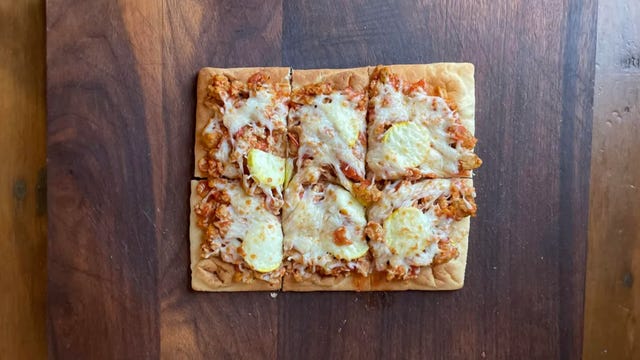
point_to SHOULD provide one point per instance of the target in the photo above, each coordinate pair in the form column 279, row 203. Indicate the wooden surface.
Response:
column 120, row 89
column 612, row 293
column 23, row 222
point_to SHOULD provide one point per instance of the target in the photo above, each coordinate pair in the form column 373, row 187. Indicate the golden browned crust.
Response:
column 213, row 274
column 353, row 282
column 457, row 79
column 276, row 74
column 204, row 113
column 356, row 78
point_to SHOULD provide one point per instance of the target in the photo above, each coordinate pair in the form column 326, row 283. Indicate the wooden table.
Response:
column 23, row 206
column 612, row 295
column 120, row 94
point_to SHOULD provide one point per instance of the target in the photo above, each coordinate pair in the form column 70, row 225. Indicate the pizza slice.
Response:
column 418, row 234
column 241, row 126
column 236, row 241
column 421, row 121
column 324, row 242
column 327, row 128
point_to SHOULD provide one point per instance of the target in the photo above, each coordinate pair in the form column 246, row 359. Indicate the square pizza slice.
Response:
column 421, row 122
column 418, row 234
column 236, row 241
column 327, row 127
column 324, row 242
column 241, row 126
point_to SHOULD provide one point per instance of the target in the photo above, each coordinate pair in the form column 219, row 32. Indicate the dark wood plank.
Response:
column 523, row 297
column 199, row 34
column 612, row 296
column 23, row 223
column 103, row 66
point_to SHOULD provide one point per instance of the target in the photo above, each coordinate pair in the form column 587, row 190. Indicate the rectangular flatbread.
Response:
column 418, row 233
column 324, row 243
column 327, row 124
column 333, row 179
column 241, row 119
column 236, row 242
column 421, row 122
column 323, row 222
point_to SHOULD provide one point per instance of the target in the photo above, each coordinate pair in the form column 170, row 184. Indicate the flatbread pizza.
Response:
column 236, row 241
column 421, row 122
column 333, row 179
column 323, row 221
column 241, row 126
column 418, row 233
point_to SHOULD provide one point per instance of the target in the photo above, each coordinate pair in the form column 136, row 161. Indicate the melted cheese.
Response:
column 342, row 116
column 254, row 229
column 263, row 112
column 408, row 231
column 345, row 206
column 330, row 129
column 254, row 111
column 223, row 151
column 427, row 150
column 405, row 195
column 310, row 222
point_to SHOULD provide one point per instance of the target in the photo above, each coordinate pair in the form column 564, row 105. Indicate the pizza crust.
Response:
column 203, row 113
column 216, row 275
column 456, row 78
column 276, row 74
column 213, row 274
column 354, row 282
column 356, row 78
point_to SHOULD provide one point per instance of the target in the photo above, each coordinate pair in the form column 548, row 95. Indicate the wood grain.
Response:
column 23, row 221
column 612, row 295
column 120, row 140
column 234, row 325
column 102, row 100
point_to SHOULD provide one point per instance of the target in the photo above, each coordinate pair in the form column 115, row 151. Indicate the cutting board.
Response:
column 121, row 89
